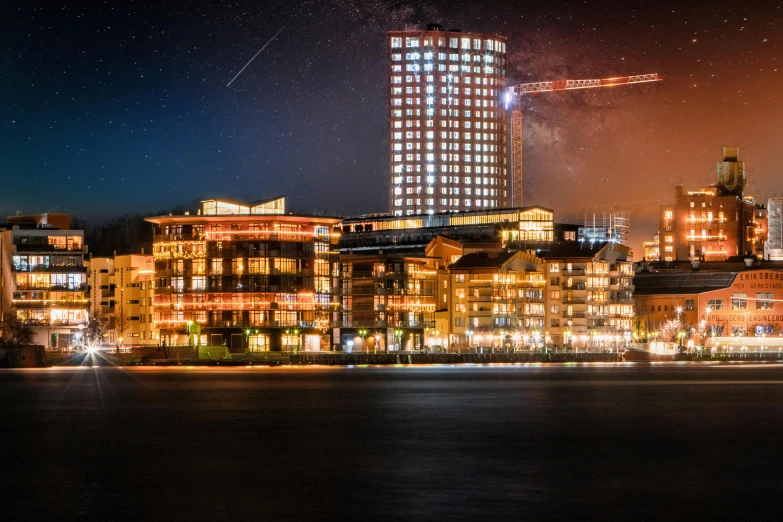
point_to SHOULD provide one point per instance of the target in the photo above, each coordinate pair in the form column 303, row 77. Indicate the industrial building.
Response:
column 721, row 305
column 716, row 222
column 447, row 137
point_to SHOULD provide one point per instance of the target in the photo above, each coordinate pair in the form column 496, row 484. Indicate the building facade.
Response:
column 122, row 292
column 526, row 227
column 387, row 302
column 715, row 222
column 717, row 303
column 497, row 300
column 589, row 297
column 652, row 249
column 44, row 278
column 614, row 226
column 248, row 276
column 447, row 137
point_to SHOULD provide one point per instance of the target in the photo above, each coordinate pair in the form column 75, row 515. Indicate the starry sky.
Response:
column 118, row 107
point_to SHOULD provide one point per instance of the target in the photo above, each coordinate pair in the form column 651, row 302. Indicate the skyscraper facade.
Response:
column 446, row 126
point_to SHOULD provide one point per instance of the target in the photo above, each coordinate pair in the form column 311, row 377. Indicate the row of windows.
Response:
column 455, row 179
column 446, row 201
column 446, row 179
column 444, row 78
column 447, row 191
column 486, row 125
column 454, row 57
column 430, row 89
column 468, row 147
column 739, row 301
column 454, row 43
column 398, row 113
column 450, row 101
column 428, row 67
column 447, row 135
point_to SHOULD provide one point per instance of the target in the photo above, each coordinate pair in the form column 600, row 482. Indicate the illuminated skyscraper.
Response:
column 446, row 126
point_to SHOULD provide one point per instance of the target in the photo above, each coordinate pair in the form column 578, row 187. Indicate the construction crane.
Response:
column 550, row 86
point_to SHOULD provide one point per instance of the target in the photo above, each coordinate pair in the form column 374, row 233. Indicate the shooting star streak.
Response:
column 259, row 52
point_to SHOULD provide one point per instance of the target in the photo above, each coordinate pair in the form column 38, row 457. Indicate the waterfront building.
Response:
column 248, row 276
column 720, row 303
column 43, row 278
column 526, row 227
column 497, row 300
column 589, row 294
column 447, row 136
column 122, row 291
column 716, row 222
column 387, row 302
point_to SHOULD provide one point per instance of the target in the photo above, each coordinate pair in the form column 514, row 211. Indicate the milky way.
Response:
column 109, row 109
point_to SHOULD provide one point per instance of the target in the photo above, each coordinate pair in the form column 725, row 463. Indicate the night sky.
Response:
column 123, row 107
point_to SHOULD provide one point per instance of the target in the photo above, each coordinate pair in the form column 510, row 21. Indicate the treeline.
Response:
column 127, row 234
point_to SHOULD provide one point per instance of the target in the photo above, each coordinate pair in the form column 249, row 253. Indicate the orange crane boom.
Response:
column 567, row 85
column 515, row 192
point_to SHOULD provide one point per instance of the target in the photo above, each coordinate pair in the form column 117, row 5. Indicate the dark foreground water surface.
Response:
column 611, row 442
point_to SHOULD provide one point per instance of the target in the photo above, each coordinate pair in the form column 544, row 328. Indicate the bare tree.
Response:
column 671, row 329
column 15, row 332
column 121, row 323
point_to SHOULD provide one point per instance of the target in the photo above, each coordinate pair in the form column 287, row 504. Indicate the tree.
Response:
column 93, row 335
column 702, row 331
column 121, row 324
column 15, row 332
column 671, row 330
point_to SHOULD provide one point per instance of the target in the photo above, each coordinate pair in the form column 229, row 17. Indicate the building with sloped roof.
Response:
column 728, row 300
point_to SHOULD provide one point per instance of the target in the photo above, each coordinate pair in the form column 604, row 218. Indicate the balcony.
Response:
column 574, row 315
column 48, row 322
column 479, row 283
column 50, row 248
column 575, row 286
column 59, row 269
column 479, row 298
column 574, row 272
column 53, row 288
column 480, row 313
column 48, row 303
column 574, row 300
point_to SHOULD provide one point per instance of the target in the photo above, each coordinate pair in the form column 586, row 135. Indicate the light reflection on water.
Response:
column 581, row 440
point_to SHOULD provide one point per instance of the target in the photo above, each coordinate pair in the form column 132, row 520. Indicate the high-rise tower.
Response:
column 446, row 125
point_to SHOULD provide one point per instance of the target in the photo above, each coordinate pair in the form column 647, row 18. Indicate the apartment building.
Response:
column 43, row 278
column 387, row 302
column 447, row 137
column 497, row 300
column 122, row 291
column 589, row 294
column 248, row 276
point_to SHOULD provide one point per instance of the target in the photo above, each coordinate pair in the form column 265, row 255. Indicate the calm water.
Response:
column 494, row 443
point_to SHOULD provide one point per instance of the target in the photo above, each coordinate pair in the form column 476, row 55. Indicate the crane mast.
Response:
column 550, row 86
